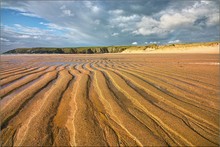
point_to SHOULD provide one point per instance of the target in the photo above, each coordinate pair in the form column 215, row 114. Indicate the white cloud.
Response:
column 52, row 26
column 115, row 34
column 4, row 39
column 124, row 23
column 63, row 7
column 69, row 32
column 167, row 23
column 30, row 14
column 68, row 13
column 17, row 25
column 36, row 37
column 205, row 2
column 25, row 30
column 147, row 26
column 97, row 22
column 174, row 41
column 125, row 19
column 15, row 43
column 116, row 12
column 19, row 33
column 24, row 36
column 95, row 9
column 154, row 42
column 6, row 5
column 134, row 43
column 213, row 19
column 135, row 7
column 172, row 19
column 145, row 42
column 92, row 6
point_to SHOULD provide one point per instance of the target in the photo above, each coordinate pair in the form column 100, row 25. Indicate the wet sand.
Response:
column 110, row 100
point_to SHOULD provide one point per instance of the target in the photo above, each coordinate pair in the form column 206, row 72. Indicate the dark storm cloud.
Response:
column 141, row 7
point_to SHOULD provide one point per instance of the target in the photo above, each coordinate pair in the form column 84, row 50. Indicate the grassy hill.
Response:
column 77, row 50
column 97, row 50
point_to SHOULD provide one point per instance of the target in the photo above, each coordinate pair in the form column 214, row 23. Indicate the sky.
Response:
column 45, row 23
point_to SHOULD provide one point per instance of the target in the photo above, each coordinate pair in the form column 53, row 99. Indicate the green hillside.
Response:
column 102, row 49
column 77, row 50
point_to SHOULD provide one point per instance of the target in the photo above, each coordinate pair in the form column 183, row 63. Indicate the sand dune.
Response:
column 210, row 49
column 110, row 100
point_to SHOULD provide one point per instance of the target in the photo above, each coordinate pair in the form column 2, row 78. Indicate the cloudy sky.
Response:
column 107, row 22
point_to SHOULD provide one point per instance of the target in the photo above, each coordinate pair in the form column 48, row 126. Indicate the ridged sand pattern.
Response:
column 110, row 100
